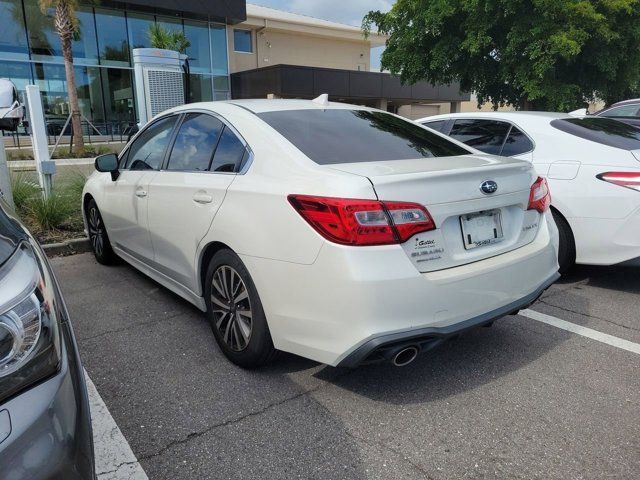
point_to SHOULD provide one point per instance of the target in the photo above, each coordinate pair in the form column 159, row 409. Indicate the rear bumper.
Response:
column 351, row 296
column 380, row 348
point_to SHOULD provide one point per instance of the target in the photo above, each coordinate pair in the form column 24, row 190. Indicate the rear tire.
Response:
column 100, row 244
column 235, row 312
column 567, row 249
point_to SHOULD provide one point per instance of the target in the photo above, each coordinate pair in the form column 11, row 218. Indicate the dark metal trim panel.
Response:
column 225, row 11
column 294, row 81
column 362, row 352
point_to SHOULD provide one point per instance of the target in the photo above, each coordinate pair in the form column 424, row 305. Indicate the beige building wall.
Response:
column 277, row 47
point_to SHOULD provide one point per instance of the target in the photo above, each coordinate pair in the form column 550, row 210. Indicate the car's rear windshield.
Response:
column 346, row 136
column 601, row 130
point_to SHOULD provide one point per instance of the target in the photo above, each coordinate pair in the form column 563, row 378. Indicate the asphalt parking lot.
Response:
column 523, row 399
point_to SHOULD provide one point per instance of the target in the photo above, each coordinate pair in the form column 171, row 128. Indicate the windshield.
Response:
column 346, row 136
column 601, row 130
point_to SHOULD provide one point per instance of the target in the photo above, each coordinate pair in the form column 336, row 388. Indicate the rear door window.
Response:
column 622, row 111
column 195, row 143
column 488, row 136
column 335, row 136
column 606, row 131
column 229, row 154
column 516, row 143
column 435, row 125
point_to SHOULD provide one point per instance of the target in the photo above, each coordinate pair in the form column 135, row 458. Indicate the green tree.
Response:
column 161, row 37
column 66, row 25
column 533, row 54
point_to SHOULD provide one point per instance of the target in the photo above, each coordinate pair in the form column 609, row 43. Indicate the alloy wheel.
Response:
column 231, row 308
column 96, row 231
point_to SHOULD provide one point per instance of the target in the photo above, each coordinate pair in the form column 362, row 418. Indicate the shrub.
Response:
column 51, row 213
column 24, row 189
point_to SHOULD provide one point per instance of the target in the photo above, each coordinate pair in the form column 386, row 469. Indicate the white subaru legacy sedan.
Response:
column 336, row 232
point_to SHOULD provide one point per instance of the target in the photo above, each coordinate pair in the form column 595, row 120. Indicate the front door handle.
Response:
column 141, row 193
column 202, row 198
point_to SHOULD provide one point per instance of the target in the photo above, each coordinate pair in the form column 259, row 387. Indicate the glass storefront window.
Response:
column 170, row 23
column 118, row 95
column 219, row 49
column 45, row 42
column 53, row 86
column 112, row 38
column 18, row 72
column 138, row 25
column 13, row 34
column 200, row 88
column 199, row 53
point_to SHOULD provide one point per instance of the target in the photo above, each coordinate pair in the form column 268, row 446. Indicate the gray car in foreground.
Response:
column 45, row 425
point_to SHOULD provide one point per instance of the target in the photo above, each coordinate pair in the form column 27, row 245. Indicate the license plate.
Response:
column 482, row 228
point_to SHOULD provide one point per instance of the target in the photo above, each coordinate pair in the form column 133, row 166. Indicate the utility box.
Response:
column 159, row 81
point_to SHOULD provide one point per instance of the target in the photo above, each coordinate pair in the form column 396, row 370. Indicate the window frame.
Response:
column 244, row 164
column 245, row 30
column 604, row 113
column 451, row 120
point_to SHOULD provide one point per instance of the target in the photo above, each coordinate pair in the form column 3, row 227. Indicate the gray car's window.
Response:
column 516, row 143
column 488, row 136
column 606, row 131
column 147, row 151
column 345, row 136
column 622, row 111
column 195, row 143
column 229, row 153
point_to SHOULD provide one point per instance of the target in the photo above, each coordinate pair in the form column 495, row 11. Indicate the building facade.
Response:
column 30, row 53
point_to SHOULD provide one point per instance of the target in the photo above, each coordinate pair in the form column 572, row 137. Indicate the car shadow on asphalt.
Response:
column 619, row 278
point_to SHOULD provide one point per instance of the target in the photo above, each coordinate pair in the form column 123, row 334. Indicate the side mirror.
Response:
column 108, row 163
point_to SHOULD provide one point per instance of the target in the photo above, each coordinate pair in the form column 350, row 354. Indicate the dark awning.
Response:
column 228, row 11
column 290, row 81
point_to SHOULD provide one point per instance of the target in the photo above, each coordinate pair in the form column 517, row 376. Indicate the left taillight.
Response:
column 540, row 196
column 623, row 179
column 356, row 222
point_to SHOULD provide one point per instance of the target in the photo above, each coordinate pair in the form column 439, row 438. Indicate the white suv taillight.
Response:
column 349, row 221
column 623, row 179
column 540, row 196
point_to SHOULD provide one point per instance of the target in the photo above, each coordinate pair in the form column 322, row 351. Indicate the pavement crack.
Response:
column 117, row 467
column 130, row 326
column 595, row 317
column 233, row 421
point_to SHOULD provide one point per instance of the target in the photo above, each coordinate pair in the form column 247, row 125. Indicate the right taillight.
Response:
column 623, row 179
column 349, row 221
column 540, row 196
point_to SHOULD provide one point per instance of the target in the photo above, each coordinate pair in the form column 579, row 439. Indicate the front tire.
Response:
column 567, row 248
column 98, row 236
column 235, row 312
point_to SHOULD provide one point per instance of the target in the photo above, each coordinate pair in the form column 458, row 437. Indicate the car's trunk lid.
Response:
column 471, row 224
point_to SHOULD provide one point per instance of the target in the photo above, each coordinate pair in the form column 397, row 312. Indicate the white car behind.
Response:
column 593, row 168
column 339, row 233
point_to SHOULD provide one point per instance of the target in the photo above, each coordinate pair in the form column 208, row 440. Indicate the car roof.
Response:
column 624, row 102
column 261, row 105
column 513, row 116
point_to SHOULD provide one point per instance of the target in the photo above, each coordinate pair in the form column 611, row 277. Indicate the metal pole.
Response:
column 45, row 167
column 5, row 178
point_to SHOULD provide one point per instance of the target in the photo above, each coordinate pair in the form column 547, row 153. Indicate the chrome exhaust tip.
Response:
column 405, row 356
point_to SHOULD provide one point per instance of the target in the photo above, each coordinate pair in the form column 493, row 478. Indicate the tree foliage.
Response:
column 161, row 37
column 542, row 54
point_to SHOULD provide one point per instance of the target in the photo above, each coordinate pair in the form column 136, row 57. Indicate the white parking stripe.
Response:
column 580, row 330
column 114, row 458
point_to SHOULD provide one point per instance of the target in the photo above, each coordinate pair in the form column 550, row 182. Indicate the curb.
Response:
column 68, row 247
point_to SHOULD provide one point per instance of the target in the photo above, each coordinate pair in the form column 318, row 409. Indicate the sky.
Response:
column 343, row 11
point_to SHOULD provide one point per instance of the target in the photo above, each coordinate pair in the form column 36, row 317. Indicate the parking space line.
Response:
column 580, row 330
column 114, row 458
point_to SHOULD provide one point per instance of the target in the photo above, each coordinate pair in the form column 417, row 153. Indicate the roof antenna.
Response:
column 322, row 100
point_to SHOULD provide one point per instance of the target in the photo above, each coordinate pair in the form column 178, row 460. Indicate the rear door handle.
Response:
column 140, row 193
column 203, row 198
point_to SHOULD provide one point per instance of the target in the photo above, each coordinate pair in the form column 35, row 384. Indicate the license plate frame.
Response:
column 480, row 229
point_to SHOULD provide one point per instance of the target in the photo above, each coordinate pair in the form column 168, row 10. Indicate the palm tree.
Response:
column 66, row 24
column 161, row 37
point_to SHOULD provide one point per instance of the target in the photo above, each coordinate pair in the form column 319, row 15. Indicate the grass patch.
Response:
column 26, row 153
column 56, row 218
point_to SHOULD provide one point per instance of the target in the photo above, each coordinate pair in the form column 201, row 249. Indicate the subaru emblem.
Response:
column 488, row 187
